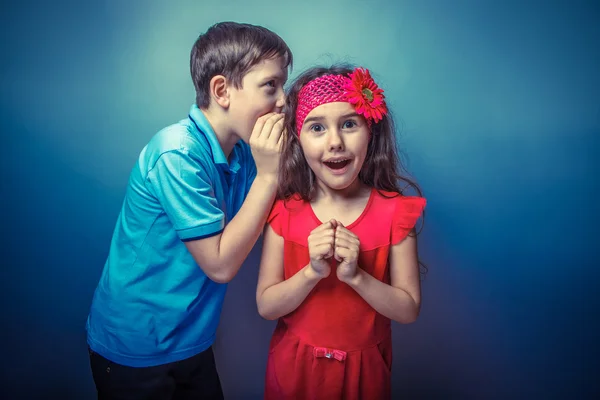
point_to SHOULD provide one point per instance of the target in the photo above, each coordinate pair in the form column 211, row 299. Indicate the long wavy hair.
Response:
column 382, row 169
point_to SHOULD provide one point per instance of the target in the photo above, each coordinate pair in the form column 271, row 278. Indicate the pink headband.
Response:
column 358, row 89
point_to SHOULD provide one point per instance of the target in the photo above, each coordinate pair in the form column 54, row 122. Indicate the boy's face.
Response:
column 261, row 93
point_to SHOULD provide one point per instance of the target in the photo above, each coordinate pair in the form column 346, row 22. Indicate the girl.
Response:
column 339, row 255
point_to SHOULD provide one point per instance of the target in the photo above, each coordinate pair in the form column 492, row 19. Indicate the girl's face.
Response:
column 334, row 140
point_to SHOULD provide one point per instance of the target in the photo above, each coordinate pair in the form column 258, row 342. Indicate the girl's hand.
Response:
column 320, row 247
column 347, row 247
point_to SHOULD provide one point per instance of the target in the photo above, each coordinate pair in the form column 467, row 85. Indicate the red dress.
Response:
column 335, row 345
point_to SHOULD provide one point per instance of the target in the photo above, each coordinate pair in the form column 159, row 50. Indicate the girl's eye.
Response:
column 349, row 124
column 317, row 128
column 271, row 83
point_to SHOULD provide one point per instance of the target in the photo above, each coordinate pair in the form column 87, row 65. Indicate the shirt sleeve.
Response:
column 275, row 217
column 408, row 211
column 251, row 171
column 185, row 191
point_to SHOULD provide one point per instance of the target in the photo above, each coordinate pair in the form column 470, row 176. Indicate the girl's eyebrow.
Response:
column 321, row 117
column 315, row 118
column 350, row 115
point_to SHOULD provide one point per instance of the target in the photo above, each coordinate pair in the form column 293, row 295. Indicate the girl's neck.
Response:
column 357, row 190
column 345, row 206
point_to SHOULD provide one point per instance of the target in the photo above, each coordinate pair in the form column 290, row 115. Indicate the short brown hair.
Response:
column 231, row 49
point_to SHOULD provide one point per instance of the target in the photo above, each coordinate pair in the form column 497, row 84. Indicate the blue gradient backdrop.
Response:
column 500, row 110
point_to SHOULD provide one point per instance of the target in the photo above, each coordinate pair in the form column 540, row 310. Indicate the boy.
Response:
column 196, row 202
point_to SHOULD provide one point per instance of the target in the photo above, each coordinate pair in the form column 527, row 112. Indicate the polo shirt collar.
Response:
column 204, row 128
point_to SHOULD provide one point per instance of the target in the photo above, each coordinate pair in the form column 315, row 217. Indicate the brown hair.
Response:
column 231, row 49
column 382, row 169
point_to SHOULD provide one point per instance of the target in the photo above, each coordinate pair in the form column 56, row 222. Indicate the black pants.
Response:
column 192, row 378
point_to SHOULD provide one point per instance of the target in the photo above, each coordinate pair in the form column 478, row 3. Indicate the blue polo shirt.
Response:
column 154, row 304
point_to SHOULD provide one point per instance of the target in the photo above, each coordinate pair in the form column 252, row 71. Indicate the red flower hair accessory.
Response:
column 358, row 89
column 365, row 95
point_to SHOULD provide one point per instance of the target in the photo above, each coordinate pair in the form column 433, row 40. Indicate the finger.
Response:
column 329, row 253
column 349, row 236
column 316, row 234
column 270, row 123
column 281, row 139
column 342, row 228
column 323, row 253
column 326, row 236
column 341, row 253
column 258, row 126
column 340, row 231
column 276, row 132
column 345, row 243
column 325, row 240
column 324, row 226
column 322, row 248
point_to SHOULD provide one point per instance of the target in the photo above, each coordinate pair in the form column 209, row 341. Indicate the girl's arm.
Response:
column 276, row 297
column 401, row 299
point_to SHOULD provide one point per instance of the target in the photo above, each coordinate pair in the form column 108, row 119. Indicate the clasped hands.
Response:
column 332, row 239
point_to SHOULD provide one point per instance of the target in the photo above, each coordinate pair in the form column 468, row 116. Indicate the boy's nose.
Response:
column 280, row 101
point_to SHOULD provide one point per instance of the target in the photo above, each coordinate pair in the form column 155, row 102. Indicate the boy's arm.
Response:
column 276, row 297
column 221, row 256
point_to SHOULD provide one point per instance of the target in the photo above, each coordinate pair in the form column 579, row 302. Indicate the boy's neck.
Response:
column 225, row 136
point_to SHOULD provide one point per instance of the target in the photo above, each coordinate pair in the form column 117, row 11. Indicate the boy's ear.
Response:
column 219, row 90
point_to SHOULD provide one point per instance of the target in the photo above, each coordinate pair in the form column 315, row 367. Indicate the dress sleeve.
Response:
column 408, row 210
column 275, row 217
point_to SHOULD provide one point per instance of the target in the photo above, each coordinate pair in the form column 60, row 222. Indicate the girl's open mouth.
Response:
column 336, row 165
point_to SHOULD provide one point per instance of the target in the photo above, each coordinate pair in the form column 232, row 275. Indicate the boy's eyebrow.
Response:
column 280, row 76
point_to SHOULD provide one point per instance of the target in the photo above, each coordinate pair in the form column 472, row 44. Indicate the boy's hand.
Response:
column 321, row 248
column 347, row 247
column 266, row 143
